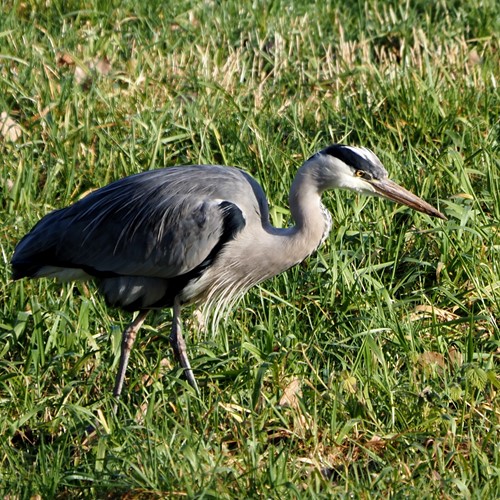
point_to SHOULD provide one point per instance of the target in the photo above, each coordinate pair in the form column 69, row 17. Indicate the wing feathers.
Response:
column 163, row 224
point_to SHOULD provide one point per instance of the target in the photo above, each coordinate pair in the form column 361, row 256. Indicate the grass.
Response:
column 371, row 370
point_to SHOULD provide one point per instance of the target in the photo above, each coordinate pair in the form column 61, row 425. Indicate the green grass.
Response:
column 390, row 331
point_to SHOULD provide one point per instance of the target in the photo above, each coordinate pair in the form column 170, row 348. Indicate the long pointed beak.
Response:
column 392, row 191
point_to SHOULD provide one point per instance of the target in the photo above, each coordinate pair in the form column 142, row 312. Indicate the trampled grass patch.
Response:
column 370, row 370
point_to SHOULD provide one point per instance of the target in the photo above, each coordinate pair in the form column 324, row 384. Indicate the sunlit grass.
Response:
column 371, row 370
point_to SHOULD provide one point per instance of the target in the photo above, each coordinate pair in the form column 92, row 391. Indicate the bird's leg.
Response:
column 179, row 346
column 128, row 338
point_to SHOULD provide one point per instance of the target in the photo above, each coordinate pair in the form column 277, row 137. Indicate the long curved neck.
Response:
column 274, row 250
column 305, row 202
column 283, row 248
column 311, row 218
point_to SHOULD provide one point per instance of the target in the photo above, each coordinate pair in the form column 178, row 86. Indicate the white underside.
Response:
column 63, row 273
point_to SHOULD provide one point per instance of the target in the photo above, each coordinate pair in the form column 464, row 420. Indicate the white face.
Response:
column 334, row 173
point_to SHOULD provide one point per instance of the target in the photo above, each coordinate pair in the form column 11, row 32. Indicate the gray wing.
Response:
column 163, row 223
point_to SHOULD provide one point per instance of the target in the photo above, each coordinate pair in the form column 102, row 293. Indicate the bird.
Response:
column 195, row 234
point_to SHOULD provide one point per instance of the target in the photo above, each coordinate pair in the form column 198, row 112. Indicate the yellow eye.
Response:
column 363, row 174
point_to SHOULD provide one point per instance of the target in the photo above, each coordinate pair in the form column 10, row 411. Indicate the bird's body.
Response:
column 193, row 234
column 122, row 236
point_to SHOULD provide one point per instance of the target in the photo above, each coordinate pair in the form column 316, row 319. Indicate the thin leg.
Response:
column 179, row 346
column 128, row 338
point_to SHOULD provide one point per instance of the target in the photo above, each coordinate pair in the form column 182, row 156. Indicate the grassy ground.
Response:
column 372, row 370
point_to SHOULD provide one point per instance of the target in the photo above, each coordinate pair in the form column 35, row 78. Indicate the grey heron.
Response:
column 193, row 234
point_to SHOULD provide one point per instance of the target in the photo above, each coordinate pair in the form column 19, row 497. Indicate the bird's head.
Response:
column 358, row 169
